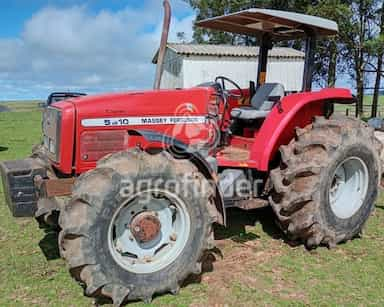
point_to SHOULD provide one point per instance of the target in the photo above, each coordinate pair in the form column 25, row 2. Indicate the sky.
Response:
column 89, row 46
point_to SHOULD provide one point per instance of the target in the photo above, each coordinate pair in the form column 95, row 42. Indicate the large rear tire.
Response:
column 326, row 186
column 128, row 233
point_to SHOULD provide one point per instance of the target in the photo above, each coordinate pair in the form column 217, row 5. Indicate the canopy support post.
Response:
column 309, row 61
column 265, row 46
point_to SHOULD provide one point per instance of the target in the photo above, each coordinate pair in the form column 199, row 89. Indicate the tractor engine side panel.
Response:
column 296, row 110
column 103, row 123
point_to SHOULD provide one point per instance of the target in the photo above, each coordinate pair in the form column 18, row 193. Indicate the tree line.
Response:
column 357, row 51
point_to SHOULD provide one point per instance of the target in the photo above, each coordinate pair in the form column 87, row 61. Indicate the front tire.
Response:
column 129, row 243
column 327, row 184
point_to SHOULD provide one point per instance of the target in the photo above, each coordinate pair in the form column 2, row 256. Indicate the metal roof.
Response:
column 230, row 51
column 280, row 24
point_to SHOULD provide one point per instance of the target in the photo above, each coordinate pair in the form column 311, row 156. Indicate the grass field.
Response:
column 342, row 109
column 22, row 106
column 256, row 266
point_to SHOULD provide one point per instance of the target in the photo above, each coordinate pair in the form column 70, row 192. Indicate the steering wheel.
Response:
column 221, row 80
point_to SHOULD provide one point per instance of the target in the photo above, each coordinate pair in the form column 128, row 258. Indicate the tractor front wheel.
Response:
column 137, row 225
column 327, row 184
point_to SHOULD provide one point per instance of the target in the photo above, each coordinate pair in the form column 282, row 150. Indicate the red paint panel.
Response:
column 96, row 144
column 278, row 128
column 298, row 111
column 192, row 102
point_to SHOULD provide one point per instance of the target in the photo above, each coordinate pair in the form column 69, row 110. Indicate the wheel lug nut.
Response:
column 173, row 237
column 137, row 229
column 131, row 238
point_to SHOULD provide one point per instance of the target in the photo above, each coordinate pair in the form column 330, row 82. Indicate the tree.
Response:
column 357, row 22
column 181, row 37
column 327, row 61
column 360, row 30
column 377, row 47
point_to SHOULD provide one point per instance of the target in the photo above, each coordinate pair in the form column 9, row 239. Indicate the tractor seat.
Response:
column 262, row 102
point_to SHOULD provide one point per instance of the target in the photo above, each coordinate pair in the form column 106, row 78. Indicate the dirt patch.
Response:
column 234, row 266
column 241, row 268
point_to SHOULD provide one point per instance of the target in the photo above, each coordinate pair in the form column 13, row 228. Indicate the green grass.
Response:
column 342, row 109
column 22, row 106
column 256, row 267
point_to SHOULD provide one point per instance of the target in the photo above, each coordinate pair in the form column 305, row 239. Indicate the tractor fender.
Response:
column 297, row 110
column 195, row 157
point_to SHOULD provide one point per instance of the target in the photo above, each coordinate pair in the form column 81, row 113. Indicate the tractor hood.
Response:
column 142, row 103
column 99, row 125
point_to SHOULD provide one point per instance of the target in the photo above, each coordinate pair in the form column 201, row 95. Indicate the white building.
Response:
column 187, row 65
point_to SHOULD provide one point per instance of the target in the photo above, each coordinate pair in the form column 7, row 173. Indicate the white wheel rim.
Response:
column 348, row 188
column 152, row 256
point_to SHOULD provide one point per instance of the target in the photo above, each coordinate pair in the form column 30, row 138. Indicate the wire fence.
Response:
column 350, row 110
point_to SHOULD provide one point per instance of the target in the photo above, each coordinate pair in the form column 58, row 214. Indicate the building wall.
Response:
column 173, row 70
column 289, row 72
column 199, row 69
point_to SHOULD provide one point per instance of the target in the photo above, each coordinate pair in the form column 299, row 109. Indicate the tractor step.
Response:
column 233, row 153
column 19, row 185
column 237, row 157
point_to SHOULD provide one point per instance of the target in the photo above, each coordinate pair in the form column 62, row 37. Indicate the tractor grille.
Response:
column 52, row 132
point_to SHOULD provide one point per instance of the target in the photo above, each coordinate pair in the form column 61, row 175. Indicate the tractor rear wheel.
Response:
column 326, row 186
column 137, row 225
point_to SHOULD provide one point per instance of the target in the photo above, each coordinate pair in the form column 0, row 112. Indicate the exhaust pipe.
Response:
column 163, row 44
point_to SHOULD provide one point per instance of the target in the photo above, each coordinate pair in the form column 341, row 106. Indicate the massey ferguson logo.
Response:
column 143, row 121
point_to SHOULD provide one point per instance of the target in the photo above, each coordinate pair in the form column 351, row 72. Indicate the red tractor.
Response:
column 138, row 179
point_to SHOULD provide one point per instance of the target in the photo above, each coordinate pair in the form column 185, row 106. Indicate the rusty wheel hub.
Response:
column 149, row 231
column 145, row 227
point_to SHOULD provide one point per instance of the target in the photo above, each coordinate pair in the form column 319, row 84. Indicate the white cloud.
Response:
column 75, row 49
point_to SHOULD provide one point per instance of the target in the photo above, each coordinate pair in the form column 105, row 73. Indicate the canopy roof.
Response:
column 280, row 24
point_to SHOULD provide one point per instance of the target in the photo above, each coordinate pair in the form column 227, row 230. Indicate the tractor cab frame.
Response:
column 267, row 119
column 271, row 27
